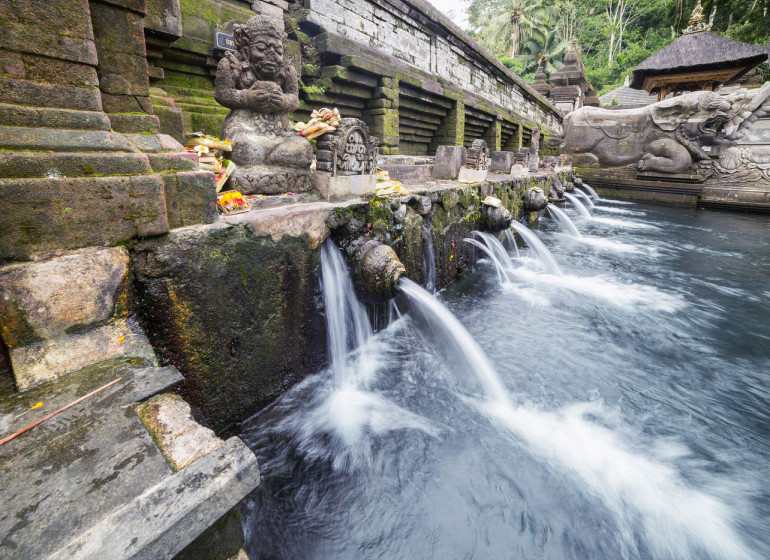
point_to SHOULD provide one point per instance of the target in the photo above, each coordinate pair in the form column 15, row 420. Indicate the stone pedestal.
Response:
column 468, row 175
column 68, row 312
column 502, row 162
column 449, row 160
column 342, row 187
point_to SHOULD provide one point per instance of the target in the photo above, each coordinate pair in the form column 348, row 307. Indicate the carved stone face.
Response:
column 265, row 53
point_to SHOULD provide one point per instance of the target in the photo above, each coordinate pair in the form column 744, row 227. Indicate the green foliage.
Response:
column 547, row 28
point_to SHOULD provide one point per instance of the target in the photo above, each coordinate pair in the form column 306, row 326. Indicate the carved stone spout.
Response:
column 377, row 270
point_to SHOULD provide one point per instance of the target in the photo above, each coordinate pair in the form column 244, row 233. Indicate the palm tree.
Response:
column 517, row 21
column 548, row 48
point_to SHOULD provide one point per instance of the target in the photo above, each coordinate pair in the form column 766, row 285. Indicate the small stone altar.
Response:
column 259, row 84
column 346, row 161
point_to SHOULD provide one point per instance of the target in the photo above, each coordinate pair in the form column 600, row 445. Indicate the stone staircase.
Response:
column 126, row 473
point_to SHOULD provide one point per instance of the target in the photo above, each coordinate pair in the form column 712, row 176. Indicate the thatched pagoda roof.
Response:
column 698, row 52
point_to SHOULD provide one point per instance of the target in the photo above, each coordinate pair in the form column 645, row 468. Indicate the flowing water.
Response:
column 563, row 220
column 583, row 196
column 591, row 192
column 577, row 205
column 618, row 410
column 428, row 260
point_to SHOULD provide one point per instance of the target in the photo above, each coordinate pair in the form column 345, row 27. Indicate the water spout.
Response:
column 538, row 249
column 453, row 341
column 495, row 250
column 563, row 220
column 511, row 240
column 591, row 192
column 377, row 270
column 582, row 210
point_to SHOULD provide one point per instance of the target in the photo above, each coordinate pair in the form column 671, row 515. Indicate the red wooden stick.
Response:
column 54, row 413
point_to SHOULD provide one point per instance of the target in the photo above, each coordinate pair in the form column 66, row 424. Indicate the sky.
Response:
column 454, row 10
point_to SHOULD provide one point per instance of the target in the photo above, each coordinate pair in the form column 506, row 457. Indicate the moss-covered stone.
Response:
column 235, row 312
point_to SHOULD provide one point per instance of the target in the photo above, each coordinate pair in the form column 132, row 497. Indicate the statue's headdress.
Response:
column 244, row 33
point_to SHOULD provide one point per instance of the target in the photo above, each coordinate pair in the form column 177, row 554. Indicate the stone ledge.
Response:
column 20, row 138
column 180, row 507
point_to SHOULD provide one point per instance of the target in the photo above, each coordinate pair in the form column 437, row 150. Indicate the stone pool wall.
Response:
column 236, row 305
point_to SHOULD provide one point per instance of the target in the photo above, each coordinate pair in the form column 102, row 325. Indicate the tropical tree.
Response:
column 548, row 48
column 504, row 26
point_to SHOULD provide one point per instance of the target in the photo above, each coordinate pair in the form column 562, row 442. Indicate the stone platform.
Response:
column 91, row 482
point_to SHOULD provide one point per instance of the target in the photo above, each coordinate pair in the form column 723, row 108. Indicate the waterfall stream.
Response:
column 540, row 251
column 591, row 192
column 585, row 197
column 428, row 260
column 577, row 205
column 563, row 220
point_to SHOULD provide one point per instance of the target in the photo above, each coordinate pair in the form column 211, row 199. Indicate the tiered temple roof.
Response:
column 698, row 60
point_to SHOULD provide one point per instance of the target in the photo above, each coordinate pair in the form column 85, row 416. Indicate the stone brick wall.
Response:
column 416, row 33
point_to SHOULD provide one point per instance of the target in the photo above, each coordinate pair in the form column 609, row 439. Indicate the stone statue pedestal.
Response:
column 343, row 187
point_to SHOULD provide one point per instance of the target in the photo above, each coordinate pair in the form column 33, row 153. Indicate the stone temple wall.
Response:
column 417, row 79
column 417, row 45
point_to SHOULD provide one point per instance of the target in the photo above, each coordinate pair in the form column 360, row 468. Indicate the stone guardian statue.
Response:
column 259, row 86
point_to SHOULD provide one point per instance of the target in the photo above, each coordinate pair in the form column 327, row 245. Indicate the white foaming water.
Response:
column 346, row 413
column 563, row 220
column 502, row 274
column 610, row 245
column 428, row 260
column 579, row 207
column 585, row 197
column 677, row 520
column 346, row 319
column 540, row 251
column 622, row 223
column 627, row 296
column 616, row 201
column 614, row 210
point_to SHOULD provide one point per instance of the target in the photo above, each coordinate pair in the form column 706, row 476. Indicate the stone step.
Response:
column 63, row 164
column 91, row 481
column 135, row 123
column 22, row 138
column 25, row 116
column 206, row 109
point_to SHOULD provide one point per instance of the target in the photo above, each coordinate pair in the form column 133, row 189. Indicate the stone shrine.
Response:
column 259, row 86
column 349, row 150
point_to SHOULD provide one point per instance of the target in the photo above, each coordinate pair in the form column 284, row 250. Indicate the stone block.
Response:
column 180, row 438
column 135, row 124
column 197, row 197
column 449, row 160
column 173, row 161
column 48, row 214
column 69, row 293
column 502, row 162
column 343, row 187
column 269, row 10
column 26, row 116
column 125, row 103
column 56, row 164
column 468, row 175
column 16, row 90
column 181, row 505
column 56, row 357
